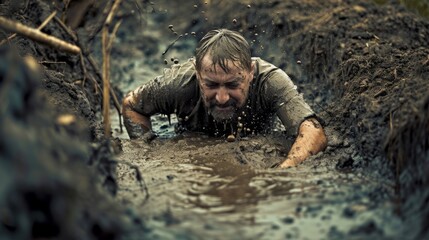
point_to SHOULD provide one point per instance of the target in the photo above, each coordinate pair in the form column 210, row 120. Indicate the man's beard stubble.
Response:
column 222, row 116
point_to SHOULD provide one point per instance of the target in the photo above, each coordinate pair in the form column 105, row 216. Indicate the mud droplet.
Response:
column 230, row 138
column 193, row 33
column 248, row 6
column 234, row 21
column 165, row 61
column 176, row 61
column 195, row 6
column 288, row 220
column 298, row 62
column 170, row 26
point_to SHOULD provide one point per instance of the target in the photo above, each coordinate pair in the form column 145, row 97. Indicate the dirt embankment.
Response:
column 57, row 173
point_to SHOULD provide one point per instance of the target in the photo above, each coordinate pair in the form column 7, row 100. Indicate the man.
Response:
column 225, row 91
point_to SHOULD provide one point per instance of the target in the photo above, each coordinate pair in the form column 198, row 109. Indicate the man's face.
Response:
column 224, row 93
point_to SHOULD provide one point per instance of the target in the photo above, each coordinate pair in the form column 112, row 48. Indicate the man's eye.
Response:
column 232, row 85
column 212, row 85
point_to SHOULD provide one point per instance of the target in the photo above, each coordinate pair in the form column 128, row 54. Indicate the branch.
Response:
column 44, row 23
column 105, row 40
column 38, row 36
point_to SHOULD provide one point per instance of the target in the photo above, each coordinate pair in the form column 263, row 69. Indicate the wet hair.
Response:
column 224, row 45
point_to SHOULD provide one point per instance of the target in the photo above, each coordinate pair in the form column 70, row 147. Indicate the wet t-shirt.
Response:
column 271, row 94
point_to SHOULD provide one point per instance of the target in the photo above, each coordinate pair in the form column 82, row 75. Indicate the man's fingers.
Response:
column 149, row 136
column 286, row 164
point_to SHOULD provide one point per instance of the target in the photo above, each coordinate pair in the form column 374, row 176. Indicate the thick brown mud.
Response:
column 362, row 67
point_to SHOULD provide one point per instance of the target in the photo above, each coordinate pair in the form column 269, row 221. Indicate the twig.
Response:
column 115, row 98
column 139, row 178
column 44, row 23
column 81, row 54
column 38, row 36
column 106, row 48
column 113, row 34
column 96, row 85
column 172, row 44
column 99, row 27
column 65, row 28
column 106, row 82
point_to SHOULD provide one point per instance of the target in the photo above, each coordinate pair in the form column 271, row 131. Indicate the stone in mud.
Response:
column 288, row 220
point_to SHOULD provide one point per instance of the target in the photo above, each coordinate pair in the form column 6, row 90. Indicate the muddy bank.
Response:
column 53, row 182
column 57, row 182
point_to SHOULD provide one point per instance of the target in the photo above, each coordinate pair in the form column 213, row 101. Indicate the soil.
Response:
column 362, row 67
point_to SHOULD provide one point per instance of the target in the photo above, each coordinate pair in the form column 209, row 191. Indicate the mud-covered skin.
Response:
column 135, row 130
column 311, row 140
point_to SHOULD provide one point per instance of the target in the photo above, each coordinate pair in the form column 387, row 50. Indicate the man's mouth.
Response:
column 224, row 108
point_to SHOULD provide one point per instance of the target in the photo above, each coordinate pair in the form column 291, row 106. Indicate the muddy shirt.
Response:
column 271, row 94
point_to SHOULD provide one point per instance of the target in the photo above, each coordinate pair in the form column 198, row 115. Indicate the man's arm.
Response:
column 311, row 140
column 136, row 124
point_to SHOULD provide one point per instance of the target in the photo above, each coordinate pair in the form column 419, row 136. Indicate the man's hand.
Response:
column 138, row 126
column 311, row 140
column 288, row 163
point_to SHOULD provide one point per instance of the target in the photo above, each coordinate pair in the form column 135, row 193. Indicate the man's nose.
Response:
column 222, row 96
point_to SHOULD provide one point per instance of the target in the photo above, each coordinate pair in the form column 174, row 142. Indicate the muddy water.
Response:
column 202, row 187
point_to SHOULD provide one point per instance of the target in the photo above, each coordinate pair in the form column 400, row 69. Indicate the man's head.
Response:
column 224, row 71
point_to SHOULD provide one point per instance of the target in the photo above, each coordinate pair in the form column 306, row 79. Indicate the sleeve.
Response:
column 162, row 94
column 286, row 101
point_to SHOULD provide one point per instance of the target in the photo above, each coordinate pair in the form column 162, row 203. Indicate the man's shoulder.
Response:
column 267, row 72
column 262, row 63
column 180, row 73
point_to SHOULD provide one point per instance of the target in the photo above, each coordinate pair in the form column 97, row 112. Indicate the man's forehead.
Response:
column 208, row 66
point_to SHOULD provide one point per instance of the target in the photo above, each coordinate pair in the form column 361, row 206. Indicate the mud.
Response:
column 207, row 188
column 362, row 67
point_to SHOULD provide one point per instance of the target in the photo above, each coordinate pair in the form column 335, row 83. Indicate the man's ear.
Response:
column 198, row 75
column 252, row 70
